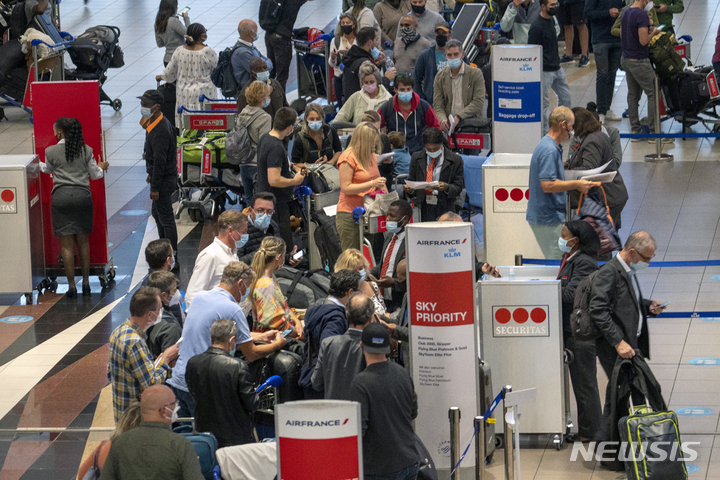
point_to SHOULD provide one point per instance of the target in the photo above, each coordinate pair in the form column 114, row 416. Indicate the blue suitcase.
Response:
column 205, row 445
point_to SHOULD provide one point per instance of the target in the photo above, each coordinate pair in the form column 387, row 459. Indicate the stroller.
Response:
column 93, row 53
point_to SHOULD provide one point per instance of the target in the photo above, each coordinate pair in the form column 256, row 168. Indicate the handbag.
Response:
column 596, row 212
column 93, row 472
column 378, row 204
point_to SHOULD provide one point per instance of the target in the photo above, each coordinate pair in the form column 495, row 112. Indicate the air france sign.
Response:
column 520, row 321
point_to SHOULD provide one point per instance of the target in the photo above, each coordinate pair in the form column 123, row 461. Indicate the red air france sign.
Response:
column 520, row 321
column 444, row 299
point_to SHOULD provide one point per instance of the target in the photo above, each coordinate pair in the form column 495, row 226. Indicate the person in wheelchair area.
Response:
column 435, row 163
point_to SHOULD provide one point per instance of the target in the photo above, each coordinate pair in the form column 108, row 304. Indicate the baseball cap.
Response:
column 375, row 339
column 442, row 26
column 152, row 96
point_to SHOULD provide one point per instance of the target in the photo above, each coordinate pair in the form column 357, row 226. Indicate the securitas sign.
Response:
column 520, row 321
column 8, row 200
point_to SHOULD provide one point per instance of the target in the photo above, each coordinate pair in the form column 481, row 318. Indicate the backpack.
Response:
column 223, row 76
column 666, row 61
column 302, row 289
column 239, row 149
column 327, row 239
column 323, row 178
column 582, row 326
column 269, row 14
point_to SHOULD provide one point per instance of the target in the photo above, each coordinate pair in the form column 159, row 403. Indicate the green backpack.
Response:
column 666, row 61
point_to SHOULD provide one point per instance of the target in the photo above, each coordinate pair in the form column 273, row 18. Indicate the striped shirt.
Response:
column 130, row 366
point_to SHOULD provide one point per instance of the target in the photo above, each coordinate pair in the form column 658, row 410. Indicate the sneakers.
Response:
column 584, row 61
column 664, row 140
column 601, row 117
column 611, row 117
column 566, row 59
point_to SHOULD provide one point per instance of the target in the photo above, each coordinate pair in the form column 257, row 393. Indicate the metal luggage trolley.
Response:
column 201, row 177
column 314, row 74
column 224, row 104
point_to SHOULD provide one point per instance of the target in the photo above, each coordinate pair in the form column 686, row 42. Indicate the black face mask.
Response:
column 553, row 11
column 346, row 29
column 441, row 40
column 419, row 9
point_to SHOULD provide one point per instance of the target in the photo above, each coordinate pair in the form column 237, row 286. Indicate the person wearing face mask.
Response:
column 225, row 397
column 542, row 32
column 159, row 257
column 160, row 164
column 363, row 15
column 168, row 331
column 408, row 113
column 546, row 209
column 431, row 61
column 277, row 99
column 212, row 260
column 324, row 320
column 388, row 14
column 353, row 259
column 190, row 68
column 269, row 306
column 459, row 89
column 274, row 172
column 245, row 50
column 131, row 366
column 435, row 163
column 222, row 302
column 398, row 216
column 365, row 49
column 153, row 438
column 619, row 310
column 316, row 142
column 426, row 19
column 338, row 48
column 257, row 122
column 580, row 244
column 408, row 45
column 371, row 96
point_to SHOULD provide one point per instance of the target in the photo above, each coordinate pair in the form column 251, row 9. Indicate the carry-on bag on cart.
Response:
column 327, row 239
column 688, row 91
column 665, row 60
column 205, row 445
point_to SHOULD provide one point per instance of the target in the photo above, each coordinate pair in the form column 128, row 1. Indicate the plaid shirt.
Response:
column 130, row 366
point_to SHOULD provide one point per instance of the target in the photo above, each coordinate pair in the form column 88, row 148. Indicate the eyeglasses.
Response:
column 262, row 210
column 645, row 259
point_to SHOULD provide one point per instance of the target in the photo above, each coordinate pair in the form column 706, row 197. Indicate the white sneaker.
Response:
column 602, row 118
column 610, row 116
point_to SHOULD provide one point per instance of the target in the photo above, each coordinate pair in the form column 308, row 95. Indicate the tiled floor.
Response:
column 52, row 369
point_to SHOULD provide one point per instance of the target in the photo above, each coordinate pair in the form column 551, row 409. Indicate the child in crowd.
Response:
column 401, row 157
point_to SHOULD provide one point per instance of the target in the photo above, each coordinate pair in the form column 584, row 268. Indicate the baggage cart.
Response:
column 218, row 104
column 314, row 74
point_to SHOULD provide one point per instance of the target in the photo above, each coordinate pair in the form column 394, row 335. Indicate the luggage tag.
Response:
column 431, row 199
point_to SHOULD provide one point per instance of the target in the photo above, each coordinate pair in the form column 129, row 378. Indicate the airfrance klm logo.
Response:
column 452, row 253
column 310, row 423
column 526, row 67
column 511, row 59
column 440, row 243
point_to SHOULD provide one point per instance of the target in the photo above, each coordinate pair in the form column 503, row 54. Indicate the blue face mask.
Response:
column 262, row 221
column 243, row 240
column 266, row 103
column 562, row 245
column 146, row 112
column 232, row 352
column 245, row 295
column 263, row 76
column 255, row 38
column 454, row 63
column 405, row 96
column 375, row 53
column 315, row 125
column 435, row 154
column 393, row 227
column 363, row 275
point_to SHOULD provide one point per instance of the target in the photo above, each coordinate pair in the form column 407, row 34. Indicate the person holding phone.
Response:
column 665, row 10
column 169, row 30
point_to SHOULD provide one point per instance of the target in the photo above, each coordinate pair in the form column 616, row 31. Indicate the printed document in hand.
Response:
column 451, row 119
column 421, row 185
column 601, row 177
column 578, row 174
column 385, row 158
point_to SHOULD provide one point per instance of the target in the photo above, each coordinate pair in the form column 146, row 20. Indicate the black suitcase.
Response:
column 688, row 92
column 327, row 239
column 15, row 83
column 11, row 57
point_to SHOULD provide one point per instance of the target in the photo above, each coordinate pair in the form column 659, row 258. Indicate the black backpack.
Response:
column 239, row 149
column 303, row 289
column 223, row 76
column 327, row 239
column 269, row 14
column 582, row 326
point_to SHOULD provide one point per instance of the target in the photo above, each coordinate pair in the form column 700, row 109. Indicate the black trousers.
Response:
column 282, row 217
column 607, row 355
column 279, row 51
column 583, row 375
column 162, row 212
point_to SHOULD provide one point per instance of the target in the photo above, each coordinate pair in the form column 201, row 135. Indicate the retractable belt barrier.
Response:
column 671, row 135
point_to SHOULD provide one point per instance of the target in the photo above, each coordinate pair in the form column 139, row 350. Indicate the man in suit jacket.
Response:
column 618, row 308
column 398, row 216
column 341, row 356
column 447, row 170
column 459, row 89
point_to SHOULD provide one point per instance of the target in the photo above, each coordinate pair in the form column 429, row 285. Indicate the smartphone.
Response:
column 179, row 342
column 661, row 27
column 298, row 255
column 187, row 9
column 288, row 332
column 663, row 305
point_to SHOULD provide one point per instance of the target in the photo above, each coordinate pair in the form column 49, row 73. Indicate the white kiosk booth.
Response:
column 522, row 340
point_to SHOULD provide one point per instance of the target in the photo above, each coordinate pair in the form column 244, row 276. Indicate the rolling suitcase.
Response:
column 486, row 398
column 205, row 445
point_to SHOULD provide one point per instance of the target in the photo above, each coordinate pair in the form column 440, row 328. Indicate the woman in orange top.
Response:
column 359, row 176
column 130, row 419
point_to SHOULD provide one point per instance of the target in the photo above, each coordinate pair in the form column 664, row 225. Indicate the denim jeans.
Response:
column 186, row 402
column 247, row 176
column 607, row 60
column 640, row 78
column 409, row 473
column 556, row 80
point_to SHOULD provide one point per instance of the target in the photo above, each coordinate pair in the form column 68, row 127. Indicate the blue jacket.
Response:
column 597, row 11
column 401, row 161
column 321, row 321
column 425, row 71
column 240, row 61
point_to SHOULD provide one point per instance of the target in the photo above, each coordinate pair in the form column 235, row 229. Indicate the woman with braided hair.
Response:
column 71, row 162
column 269, row 306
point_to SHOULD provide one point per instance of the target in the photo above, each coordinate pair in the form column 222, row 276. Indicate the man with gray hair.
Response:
column 244, row 51
column 618, row 309
column 341, row 356
column 225, row 398
column 459, row 89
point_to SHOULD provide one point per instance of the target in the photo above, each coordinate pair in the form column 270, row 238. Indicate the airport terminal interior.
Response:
column 55, row 401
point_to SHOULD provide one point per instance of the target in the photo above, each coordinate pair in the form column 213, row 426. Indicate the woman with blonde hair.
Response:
column 316, row 142
column 371, row 96
column 130, row 419
column 359, row 176
column 353, row 259
column 257, row 122
column 269, row 306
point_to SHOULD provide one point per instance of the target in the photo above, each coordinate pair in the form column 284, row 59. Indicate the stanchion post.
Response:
column 480, row 448
column 518, row 260
column 508, row 438
column 658, row 156
column 454, row 415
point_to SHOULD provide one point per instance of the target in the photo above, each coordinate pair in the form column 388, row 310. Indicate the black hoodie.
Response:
column 352, row 61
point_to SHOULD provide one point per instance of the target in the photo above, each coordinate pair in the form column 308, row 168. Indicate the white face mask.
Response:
column 174, row 413
column 649, row 6
column 158, row 318
column 176, row 299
